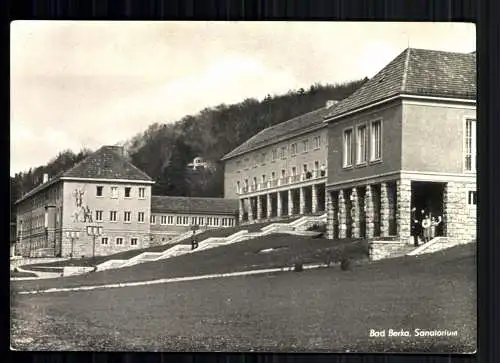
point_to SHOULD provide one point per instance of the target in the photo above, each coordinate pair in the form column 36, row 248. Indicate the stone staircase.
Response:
column 297, row 227
column 434, row 245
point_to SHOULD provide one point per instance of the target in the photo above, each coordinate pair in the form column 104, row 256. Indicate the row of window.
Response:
column 113, row 216
column 368, row 144
column 195, row 221
column 119, row 241
column 294, row 150
column 127, row 192
column 283, row 174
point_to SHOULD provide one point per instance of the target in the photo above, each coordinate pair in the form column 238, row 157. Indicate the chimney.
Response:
column 45, row 178
column 117, row 149
column 330, row 103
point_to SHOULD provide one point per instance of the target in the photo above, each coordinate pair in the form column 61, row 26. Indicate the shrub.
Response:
column 298, row 267
column 318, row 227
column 345, row 264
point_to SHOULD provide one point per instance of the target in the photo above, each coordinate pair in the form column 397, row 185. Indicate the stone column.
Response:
column 314, row 197
column 259, row 207
column 241, row 209
column 250, row 210
column 290, row 202
column 384, row 210
column 269, row 206
column 369, row 212
column 403, row 209
column 279, row 205
column 342, row 216
column 302, row 204
column 330, row 217
column 355, row 214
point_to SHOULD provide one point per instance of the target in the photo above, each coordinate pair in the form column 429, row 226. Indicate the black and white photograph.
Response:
column 243, row 186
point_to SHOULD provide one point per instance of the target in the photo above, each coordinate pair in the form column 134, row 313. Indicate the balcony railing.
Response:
column 309, row 175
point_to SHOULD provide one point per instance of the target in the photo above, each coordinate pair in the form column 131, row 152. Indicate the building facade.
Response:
column 406, row 139
column 172, row 216
column 281, row 171
column 103, row 205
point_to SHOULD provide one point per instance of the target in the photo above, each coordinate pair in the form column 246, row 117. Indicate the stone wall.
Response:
column 388, row 249
column 459, row 218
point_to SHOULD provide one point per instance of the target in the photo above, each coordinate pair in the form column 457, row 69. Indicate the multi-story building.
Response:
column 171, row 216
column 406, row 138
column 281, row 171
column 100, row 206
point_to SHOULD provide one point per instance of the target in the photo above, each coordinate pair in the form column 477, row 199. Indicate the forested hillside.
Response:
column 164, row 150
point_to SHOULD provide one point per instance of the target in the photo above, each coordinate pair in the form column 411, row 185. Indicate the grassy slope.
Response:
column 318, row 310
column 239, row 256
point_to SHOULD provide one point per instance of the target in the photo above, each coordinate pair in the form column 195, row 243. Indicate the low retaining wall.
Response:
column 387, row 249
column 76, row 270
column 18, row 261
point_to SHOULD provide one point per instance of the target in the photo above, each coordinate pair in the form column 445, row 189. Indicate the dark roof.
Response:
column 168, row 204
column 416, row 72
column 105, row 163
column 281, row 131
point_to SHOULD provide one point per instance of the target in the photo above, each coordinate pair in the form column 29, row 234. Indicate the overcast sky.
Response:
column 85, row 84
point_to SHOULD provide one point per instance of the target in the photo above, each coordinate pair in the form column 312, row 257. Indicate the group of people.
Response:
column 423, row 226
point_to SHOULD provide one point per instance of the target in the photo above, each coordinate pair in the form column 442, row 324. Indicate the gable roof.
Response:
column 284, row 130
column 214, row 206
column 420, row 72
column 105, row 163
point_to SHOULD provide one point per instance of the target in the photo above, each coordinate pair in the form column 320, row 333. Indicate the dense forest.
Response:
column 164, row 150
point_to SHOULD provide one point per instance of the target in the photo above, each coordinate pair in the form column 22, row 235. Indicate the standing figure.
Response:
column 415, row 226
column 434, row 223
column 426, row 226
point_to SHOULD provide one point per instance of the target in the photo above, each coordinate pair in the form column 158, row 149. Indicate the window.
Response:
column 152, row 219
column 98, row 191
column 133, row 241
column 273, row 175
column 119, row 240
column 471, row 197
column 209, row 221
column 263, row 178
column 170, row 220
column 126, row 217
column 246, row 183
column 98, row 215
column 470, row 145
column 112, row 216
column 163, row 220
column 362, row 150
column 294, row 170
column 283, row 153
column 179, row 220
column 185, row 220
column 237, row 187
column 127, row 192
column 193, row 221
column 274, row 154
column 140, row 217
column 305, row 145
column 376, row 140
column 293, row 149
column 114, row 192
column 216, row 221
column 317, row 142
column 142, row 193
column 104, row 240
column 201, row 221
column 316, row 165
column 347, row 148
column 283, row 173
column 263, row 158
column 254, row 181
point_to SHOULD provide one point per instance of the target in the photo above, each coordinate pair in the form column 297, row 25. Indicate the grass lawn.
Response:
column 240, row 256
column 316, row 311
column 21, row 274
column 89, row 261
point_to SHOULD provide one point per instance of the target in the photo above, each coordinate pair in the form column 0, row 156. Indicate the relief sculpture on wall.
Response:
column 82, row 213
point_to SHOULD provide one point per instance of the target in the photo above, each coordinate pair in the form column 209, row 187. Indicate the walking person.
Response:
column 426, row 226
